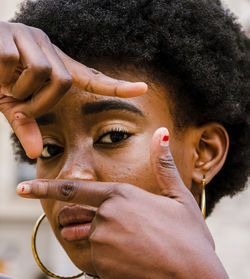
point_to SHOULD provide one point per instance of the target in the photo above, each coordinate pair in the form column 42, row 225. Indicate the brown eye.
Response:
column 50, row 150
column 113, row 137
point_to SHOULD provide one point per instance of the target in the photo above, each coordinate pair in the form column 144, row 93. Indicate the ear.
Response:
column 212, row 143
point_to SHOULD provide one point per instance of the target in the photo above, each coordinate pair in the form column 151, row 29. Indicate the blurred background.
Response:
column 229, row 223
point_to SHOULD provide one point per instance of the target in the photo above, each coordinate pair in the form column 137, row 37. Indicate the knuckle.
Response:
column 9, row 58
column 67, row 190
column 122, row 190
column 165, row 161
column 43, row 188
column 40, row 35
column 63, row 83
column 66, row 82
column 88, row 86
column 41, row 71
column 15, row 26
column 39, row 32
column 43, row 36
column 106, row 211
column 95, row 72
column 19, row 25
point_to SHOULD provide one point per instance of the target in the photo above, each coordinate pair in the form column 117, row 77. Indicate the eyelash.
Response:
column 109, row 132
column 59, row 149
column 48, row 145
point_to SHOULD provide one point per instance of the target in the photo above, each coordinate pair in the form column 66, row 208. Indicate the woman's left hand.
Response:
column 137, row 234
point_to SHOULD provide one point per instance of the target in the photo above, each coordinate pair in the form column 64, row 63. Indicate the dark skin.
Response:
column 147, row 220
column 32, row 67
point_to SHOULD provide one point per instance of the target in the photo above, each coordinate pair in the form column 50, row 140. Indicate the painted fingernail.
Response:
column 19, row 115
column 23, row 188
column 165, row 140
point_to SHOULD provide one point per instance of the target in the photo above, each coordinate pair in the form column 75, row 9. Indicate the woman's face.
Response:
column 92, row 137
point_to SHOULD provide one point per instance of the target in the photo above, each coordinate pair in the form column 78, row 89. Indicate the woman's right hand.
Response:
column 138, row 234
column 34, row 76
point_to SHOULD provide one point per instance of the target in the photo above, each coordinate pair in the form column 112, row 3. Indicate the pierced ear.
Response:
column 211, row 151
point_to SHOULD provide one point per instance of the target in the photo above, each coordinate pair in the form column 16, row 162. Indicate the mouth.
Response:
column 75, row 222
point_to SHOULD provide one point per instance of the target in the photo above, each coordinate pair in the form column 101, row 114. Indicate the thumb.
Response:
column 164, row 168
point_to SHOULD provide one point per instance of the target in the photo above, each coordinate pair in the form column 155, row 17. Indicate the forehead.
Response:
column 152, row 105
column 77, row 101
column 157, row 91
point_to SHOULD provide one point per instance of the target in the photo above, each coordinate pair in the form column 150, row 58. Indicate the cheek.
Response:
column 51, row 208
column 48, row 206
column 129, row 165
column 48, row 170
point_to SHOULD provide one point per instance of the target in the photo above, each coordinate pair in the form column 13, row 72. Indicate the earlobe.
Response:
column 211, row 151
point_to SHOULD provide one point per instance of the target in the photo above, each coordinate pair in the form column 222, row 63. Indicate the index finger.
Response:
column 76, row 191
column 96, row 82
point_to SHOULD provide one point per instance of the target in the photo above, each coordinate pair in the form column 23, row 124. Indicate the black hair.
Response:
column 197, row 42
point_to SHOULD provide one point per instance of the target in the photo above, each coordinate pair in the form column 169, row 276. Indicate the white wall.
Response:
column 241, row 8
column 8, row 8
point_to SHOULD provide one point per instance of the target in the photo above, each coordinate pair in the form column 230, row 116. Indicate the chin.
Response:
column 80, row 254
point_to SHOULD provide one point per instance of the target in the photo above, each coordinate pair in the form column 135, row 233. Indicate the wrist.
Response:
column 206, row 265
column 203, row 263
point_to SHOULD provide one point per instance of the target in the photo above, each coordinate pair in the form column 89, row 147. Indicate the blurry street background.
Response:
column 229, row 223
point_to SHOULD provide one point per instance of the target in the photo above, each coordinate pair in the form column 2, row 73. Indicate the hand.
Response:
column 34, row 76
column 137, row 234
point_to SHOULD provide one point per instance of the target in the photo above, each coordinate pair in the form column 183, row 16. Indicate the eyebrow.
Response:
column 46, row 119
column 97, row 107
column 92, row 108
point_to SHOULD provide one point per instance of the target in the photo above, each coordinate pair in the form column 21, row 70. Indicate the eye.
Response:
column 50, row 150
column 113, row 137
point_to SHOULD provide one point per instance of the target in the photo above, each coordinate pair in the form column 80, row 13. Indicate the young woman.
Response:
column 118, row 202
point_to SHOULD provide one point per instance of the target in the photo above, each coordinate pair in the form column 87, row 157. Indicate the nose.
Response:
column 76, row 168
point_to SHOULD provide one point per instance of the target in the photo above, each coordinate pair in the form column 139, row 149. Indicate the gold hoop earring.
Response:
column 35, row 254
column 203, row 197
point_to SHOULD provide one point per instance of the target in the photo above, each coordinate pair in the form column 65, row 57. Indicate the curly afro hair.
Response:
column 197, row 42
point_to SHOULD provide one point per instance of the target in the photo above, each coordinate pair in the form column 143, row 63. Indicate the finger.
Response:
column 36, row 67
column 29, row 136
column 9, row 55
column 94, row 81
column 60, row 82
column 26, row 129
column 164, row 167
column 75, row 191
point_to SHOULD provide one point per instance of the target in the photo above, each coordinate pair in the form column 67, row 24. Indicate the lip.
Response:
column 75, row 222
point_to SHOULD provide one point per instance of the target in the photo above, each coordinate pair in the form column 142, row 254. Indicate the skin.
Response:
column 157, row 185
column 99, row 164
column 32, row 67
column 155, row 196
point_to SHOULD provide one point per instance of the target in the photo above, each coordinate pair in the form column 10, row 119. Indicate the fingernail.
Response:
column 19, row 115
column 23, row 188
column 165, row 140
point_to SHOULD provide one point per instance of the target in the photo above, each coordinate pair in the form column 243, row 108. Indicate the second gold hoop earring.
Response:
column 35, row 254
column 203, row 197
